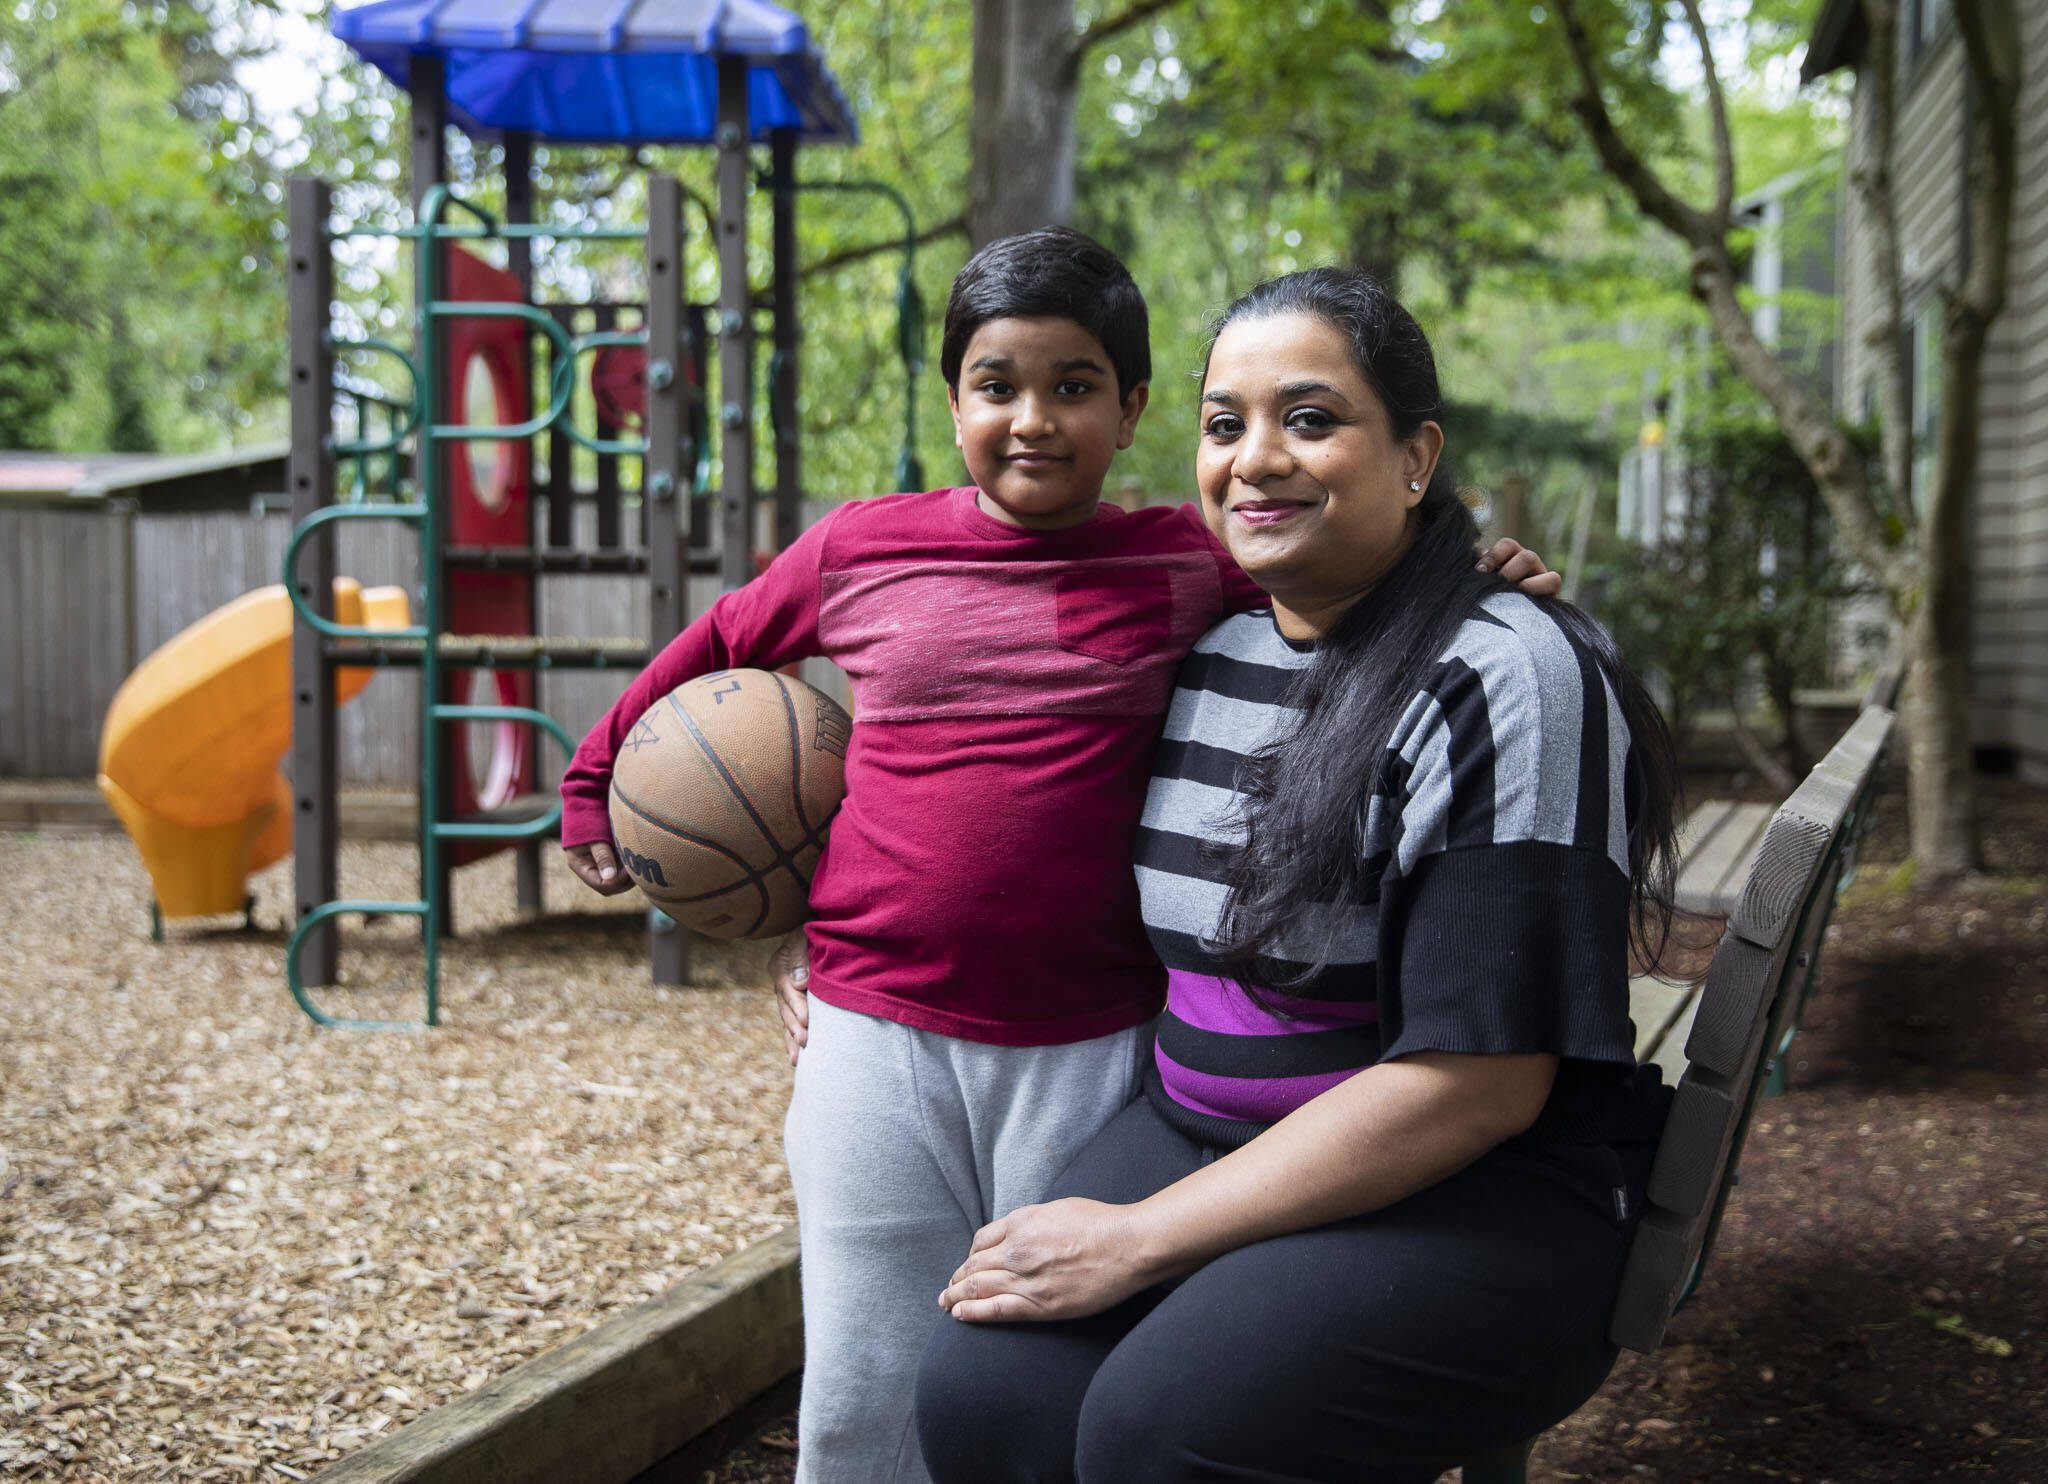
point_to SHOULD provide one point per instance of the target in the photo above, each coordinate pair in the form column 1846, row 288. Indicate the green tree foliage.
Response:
column 138, row 258
column 1219, row 141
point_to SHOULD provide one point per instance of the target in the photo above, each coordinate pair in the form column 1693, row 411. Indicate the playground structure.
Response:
column 522, row 71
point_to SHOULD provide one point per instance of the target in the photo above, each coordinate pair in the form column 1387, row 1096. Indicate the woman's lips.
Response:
column 1268, row 512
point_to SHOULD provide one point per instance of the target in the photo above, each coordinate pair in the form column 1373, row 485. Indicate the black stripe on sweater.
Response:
column 1241, row 680
column 1305, row 1054
column 1184, row 855
column 1184, row 951
column 1462, row 696
column 1198, row 763
column 1589, row 817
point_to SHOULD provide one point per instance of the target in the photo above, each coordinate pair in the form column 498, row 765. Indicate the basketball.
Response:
column 721, row 797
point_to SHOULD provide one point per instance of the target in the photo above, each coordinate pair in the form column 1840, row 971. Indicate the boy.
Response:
column 980, row 983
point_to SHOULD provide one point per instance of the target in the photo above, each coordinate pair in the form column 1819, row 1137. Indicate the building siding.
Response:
column 2009, row 516
column 2025, row 417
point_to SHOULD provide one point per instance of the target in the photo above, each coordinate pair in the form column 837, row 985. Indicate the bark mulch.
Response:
column 233, row 1245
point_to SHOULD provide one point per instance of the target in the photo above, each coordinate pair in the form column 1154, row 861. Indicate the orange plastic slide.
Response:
column 190, row 751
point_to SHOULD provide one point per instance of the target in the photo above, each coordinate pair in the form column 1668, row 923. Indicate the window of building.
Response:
column 1920, row 21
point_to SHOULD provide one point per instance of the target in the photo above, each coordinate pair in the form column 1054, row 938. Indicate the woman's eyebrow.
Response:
column 1224, row 397
column 1303, row 388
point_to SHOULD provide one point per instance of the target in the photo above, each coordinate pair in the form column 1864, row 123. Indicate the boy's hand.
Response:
column 790, row 967
column 1517, row 564
column 597, row 867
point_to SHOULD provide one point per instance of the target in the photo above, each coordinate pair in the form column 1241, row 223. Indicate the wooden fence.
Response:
column 85, row 594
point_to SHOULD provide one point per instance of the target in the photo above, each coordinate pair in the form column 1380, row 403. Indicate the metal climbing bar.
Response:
column 414, row 515
column 767, row 86
column 362, row 446
column 294, row 976
column 520, row 829
column 567, row 349
column 432, row 832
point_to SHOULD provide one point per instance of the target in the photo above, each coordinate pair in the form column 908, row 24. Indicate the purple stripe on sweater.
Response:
column 1211, row 1004
column 1256, row 1100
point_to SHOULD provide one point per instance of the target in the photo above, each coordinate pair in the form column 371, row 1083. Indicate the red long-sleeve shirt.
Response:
column 1008, row 688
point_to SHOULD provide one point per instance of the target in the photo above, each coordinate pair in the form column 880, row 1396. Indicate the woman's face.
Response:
column 1302, row 478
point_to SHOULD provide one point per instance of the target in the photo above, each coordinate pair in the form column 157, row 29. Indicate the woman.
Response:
column 1370, row 1215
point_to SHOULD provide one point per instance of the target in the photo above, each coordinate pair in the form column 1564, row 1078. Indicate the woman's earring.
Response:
column 1415, row 486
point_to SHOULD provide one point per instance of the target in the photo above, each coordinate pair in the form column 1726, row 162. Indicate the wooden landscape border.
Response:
column 611, row 1403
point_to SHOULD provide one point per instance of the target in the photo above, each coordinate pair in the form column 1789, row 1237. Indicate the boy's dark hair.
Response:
column 1053, row 273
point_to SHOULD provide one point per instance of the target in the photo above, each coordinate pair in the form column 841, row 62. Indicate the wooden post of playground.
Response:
column 663, row 491
column 428, row 162
column 788, row 473
column 519, row 260
column 310, row 293
column 735, row 333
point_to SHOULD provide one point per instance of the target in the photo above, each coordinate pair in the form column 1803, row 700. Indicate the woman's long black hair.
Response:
column 1306, row 795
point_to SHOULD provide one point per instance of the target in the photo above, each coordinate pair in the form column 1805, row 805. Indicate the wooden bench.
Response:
column 1725, row 1042
column 1718, row 841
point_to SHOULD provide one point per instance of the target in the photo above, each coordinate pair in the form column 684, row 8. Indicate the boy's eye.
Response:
column 994, row 389
column 1073, row 388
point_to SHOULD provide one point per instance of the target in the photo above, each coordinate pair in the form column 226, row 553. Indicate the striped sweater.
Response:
column 1494, row 913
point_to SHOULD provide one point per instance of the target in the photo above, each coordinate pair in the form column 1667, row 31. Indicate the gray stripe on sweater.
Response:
column 1182, row 904
column 1189, row 808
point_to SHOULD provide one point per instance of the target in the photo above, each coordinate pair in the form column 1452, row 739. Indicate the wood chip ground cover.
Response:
column 233, row 1245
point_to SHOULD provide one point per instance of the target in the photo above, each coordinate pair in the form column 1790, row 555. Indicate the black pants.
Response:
column 1385, row 1348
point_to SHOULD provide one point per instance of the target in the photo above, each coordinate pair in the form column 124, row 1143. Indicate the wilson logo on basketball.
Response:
column 835, row 728
column 640, row 866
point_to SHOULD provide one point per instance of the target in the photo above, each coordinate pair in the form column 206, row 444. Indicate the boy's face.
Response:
column 1038, row 419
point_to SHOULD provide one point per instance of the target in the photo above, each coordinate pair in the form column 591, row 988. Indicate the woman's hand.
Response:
column 790, row 967
column 1517, row 564
column 597, row 867
column 1063, row 1260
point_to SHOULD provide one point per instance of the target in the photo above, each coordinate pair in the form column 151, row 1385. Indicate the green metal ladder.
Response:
column 427, row 518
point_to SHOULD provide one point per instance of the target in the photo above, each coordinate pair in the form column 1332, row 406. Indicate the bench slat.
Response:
column 1642, row 1305
column 1711, row 879
column 1697, row 1134
column 1694, row 829
column 1653, row 1005
column 1669, row 1055
column 1776, row 890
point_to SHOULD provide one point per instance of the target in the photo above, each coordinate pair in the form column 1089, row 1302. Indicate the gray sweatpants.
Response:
column 901, row 1143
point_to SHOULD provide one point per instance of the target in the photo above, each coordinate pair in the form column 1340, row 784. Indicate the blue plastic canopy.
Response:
column 606, row 71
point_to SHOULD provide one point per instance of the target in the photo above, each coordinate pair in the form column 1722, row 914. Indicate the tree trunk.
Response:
column 1372, row 230
column 1021, row 132
column 1941, row 799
